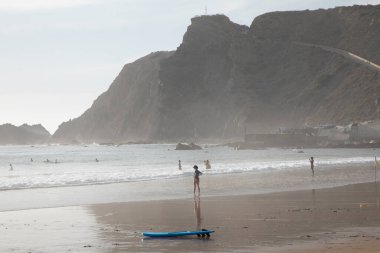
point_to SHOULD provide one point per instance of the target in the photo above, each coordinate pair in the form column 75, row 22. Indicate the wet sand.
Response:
column 182, row 187
column 341, row 219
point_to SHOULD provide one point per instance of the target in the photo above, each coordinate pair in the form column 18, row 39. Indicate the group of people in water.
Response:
column 48, row 161
column 206, row 162
column 197, row 172
column 45, row 161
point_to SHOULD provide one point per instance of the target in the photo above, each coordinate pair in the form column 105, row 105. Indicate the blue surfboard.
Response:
column 178, row 233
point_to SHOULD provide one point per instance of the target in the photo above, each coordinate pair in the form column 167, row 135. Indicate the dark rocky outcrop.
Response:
column 23, row 135
column 225, row 77
column 185, row 146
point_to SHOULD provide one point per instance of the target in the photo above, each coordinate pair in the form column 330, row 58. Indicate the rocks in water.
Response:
column 185, row 146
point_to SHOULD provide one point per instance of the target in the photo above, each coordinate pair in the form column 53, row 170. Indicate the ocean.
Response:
column 55, row 175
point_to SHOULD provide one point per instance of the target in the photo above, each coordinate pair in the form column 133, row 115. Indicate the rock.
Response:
column 23, row 135
column 184, row 146
column 225, row 77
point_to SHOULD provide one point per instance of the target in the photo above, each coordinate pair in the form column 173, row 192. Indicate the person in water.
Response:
column 312, row 165
column 197, row 173
column 208, row 165
column 179, row 165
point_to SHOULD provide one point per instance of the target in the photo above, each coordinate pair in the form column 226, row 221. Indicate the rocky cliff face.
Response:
column 23, row 135
column 286, row 69
column 323, row 86
column 128, row 111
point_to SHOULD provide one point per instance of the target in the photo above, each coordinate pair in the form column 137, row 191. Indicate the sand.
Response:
column 182, row 187
column 340, row 219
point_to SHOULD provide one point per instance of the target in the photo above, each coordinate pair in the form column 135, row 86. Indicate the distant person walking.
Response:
column 311, row 159
column 10, row 167
column 197, row 173
column 179, row 165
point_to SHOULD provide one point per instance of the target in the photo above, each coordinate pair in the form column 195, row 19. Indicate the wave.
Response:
column 70, row 177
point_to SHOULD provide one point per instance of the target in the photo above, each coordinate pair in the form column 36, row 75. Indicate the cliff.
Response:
column 287, row 69
column 128, row 111
column 23, row 135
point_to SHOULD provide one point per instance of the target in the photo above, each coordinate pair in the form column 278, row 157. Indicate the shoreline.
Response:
column 329, row 220
column 212, row 185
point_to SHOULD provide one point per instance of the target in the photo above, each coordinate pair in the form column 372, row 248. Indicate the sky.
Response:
column 58, row 56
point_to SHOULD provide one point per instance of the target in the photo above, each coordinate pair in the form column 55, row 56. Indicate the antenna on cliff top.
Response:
column 205, row 9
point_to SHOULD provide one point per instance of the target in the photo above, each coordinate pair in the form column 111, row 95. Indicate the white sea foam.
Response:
column 76, row 165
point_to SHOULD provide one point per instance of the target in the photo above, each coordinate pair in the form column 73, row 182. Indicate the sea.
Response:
column 53, row 191
column 55, row 175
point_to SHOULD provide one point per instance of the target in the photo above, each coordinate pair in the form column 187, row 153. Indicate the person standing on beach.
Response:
column 312, row 165
column 10, row 167
column 197, row 173
column 179, row 165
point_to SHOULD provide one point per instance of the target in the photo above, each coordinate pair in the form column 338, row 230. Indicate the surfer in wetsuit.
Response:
column 312, row 165
column 179, row 165
column 196, row 179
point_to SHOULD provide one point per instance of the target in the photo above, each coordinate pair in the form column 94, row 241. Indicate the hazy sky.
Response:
column 58, row 56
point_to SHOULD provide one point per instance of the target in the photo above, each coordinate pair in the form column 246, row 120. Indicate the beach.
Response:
column 254, row 200
column 151, row 126
column 340, row 219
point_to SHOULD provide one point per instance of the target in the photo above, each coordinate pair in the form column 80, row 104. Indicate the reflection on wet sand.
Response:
column 245, row 223
column 197, row 212
column 313, row 194
column 198, row 217
column 61, row 229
